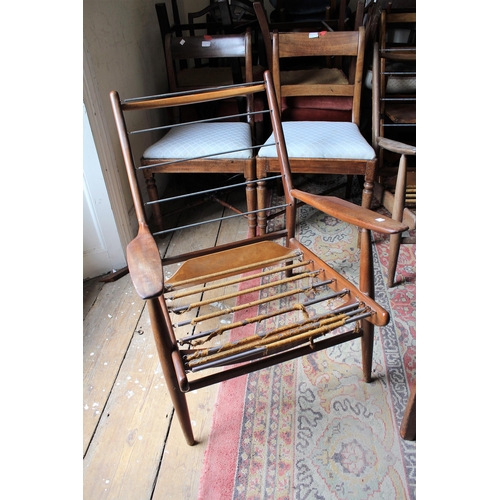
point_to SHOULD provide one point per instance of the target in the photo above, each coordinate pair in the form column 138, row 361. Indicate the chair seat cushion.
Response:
column 403, row 83
column 309, row 139
column 313, row 76
column 201, row 139
column 317, row 102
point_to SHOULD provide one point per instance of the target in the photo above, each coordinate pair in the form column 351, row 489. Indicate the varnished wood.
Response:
column 144, row 263
column 176, row 359
column 135, row 447
column 408, row 429
column 401, row 111
column 348, row 44
column 267, row 27
column 296, row 44
column 353, row 214
column 230, row 47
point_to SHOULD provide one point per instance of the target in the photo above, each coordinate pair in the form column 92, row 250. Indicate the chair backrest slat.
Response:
column 345, row 44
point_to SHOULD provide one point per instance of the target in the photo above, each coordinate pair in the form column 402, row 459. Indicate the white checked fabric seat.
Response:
column 218, row 138
column 203, row 139
column 401, row 80
column 322, row 140
column 319, row 147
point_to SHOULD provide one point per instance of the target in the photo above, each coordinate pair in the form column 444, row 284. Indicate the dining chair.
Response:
column 322, row 146
column 322, row 22
column 168, row 155
column 313, row 306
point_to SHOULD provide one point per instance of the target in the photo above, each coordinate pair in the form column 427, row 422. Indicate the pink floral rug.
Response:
column 311, row 428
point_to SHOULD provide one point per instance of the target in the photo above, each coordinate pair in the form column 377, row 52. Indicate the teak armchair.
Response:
column 334, row 147
column 346, row 312
column 171, row 153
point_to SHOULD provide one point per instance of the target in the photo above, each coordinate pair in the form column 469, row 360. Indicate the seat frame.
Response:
column 146, row 265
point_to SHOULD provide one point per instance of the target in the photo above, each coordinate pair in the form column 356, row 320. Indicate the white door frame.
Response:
column 99, row 126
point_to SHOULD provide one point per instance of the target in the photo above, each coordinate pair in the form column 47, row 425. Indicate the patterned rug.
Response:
column 311, row 428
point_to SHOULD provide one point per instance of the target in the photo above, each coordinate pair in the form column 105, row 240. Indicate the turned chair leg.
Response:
column 251, row 193
column 397, row 214
column 261, row 204
column 153, row 196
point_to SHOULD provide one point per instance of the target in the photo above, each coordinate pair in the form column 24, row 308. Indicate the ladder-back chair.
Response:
column 394, row 121
column 170, row 154
column 323, row 309
column 397, row 75
column 334, row 147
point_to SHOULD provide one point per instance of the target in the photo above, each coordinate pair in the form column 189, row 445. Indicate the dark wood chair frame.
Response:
column 146, row 265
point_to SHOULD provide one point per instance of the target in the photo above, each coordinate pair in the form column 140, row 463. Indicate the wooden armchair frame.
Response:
column 235, row 358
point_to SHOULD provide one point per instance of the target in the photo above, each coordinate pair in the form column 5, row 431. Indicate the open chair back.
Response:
column 232, row 131
column 334, row 83
column 223, row 55
column 395, row 78
column 314, row 306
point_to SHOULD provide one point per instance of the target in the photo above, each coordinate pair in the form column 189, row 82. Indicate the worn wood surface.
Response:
column 133, row 446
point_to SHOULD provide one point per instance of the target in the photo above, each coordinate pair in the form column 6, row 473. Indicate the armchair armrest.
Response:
column 144, row 263
column 351, row 213
column 396, row 146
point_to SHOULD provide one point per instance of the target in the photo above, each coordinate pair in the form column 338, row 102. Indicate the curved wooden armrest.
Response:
column 144, row 263
column 351, row 213
column 396, row 146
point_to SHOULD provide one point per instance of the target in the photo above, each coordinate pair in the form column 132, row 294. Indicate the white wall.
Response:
column 125, row 53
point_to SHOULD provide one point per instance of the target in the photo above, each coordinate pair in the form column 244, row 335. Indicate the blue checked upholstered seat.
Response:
column 220, row 146
column 335, row 147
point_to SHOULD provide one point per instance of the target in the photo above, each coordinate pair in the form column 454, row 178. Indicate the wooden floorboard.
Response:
column 132, row 443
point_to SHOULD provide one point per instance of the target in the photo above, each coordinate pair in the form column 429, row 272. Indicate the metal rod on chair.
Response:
column 206, row 120
column 240, row 269
column 193, row 339
column 235, row 358
column 212, row 220
column 238, row 280
column 258, row 302
column 213, row 190
column 180, row 160
column 190, row 92
column 398, row 73
column 399, row 49
column 296, row 277
column 278, row 340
